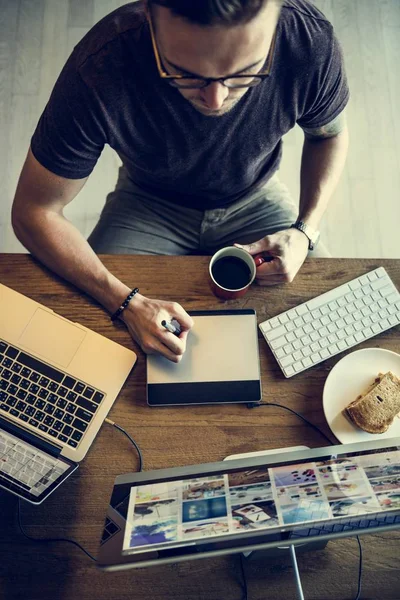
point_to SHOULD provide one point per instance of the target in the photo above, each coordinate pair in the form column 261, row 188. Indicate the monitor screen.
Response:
column 238, row 505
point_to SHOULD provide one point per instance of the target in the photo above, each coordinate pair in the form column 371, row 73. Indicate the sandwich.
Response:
column 374, row 410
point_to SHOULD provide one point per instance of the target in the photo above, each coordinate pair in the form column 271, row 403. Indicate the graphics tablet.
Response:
column 221, row 363
column 177, row 514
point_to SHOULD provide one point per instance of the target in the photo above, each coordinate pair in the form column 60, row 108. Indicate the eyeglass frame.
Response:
column 207, row 80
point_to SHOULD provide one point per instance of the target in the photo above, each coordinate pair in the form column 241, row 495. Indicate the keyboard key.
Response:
column 14, row 412
column 285, row 362
column 67, row 430
column 30, row 411
column 43, row 427
column 7, row 363
column 62, row 438
column 72, row 443
column 69, row 382
column 61, row 403
column 53, row 432
column 21, row 405
column 3, row 347
column 48, row 421
column 39, row 415
column 11, row 352
column 52, row 398
column 77, row 436
column 11, row 401
column 58, row 425
column 277, row 332
column 58, row 413
column 34, row 377
column 88, row 393
column 33, row 422
column 92, row 406
column 43, row 381
column 67, row 418
column 15, row 379
column 22, row 394
column 49, row 408
column 79, row 387
column 71, row 396
column 62, row 391
column 53, row 386
column 78, row 424
column 24, row 384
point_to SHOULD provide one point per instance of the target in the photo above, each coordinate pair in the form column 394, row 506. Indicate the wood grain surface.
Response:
column 182, row 436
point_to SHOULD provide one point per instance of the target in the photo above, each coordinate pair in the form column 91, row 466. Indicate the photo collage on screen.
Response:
column 182, row 512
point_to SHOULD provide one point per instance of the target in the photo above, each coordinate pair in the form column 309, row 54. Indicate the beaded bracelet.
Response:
column 124, row 304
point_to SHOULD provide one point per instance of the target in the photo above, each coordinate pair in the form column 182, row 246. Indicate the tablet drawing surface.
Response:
column 221, row 362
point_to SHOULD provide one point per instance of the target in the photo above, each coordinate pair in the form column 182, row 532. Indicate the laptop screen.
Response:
column 235, row 507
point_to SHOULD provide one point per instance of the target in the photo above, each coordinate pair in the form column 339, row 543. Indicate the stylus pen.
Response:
column 172, row 327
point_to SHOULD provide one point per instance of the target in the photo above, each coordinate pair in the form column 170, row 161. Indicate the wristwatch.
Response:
column 312, row 234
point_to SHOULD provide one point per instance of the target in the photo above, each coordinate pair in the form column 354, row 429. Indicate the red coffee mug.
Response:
column 227, row 292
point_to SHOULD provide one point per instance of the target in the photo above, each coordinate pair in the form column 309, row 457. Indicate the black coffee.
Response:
column 231, row 272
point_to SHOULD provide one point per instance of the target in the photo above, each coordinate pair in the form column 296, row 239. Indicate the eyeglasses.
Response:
column 190, row 82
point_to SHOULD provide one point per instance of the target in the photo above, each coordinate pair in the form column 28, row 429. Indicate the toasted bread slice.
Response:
column 375, row 409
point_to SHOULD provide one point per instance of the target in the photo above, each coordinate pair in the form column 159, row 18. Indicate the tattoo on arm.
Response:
column 326, row 131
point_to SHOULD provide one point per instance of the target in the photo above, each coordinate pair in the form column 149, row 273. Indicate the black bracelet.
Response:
column 124, row 304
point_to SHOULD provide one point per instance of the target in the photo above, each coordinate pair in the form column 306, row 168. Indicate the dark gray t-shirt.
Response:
column 109, row 92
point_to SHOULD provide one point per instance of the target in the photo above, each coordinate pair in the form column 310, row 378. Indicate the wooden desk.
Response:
column 178, row 436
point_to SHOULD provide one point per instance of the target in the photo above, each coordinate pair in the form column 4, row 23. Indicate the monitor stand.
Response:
column 290, row 547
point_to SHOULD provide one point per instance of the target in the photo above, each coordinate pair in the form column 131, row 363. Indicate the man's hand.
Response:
column 284, row 253
column 143, row 318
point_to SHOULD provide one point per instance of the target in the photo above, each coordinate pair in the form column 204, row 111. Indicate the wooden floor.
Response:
column 36, row 37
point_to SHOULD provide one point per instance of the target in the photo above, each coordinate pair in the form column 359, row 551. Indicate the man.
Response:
column 195, row 98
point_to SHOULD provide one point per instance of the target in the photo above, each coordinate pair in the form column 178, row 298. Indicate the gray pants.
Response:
column 136, row 222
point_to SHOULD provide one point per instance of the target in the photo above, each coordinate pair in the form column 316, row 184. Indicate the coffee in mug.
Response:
column 232, row 270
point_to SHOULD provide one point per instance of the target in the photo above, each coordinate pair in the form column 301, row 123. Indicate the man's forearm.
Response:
column 61, row 247
column 321, row 166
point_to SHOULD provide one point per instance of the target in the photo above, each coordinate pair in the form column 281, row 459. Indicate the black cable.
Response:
column 68, row 540
column 130, row 439
column 295, row 413
column 244, row 578
column 49, row 540
column 360, row 565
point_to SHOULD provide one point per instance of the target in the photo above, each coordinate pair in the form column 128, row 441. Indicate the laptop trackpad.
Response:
column 52, row 338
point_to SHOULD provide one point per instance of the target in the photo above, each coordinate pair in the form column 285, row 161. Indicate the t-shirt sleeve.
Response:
column 70, row 136
column 327, row 93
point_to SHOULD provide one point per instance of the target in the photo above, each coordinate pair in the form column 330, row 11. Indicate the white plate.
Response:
column 350, row 377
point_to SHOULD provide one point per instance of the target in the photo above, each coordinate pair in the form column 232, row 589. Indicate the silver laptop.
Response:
column 58, row 381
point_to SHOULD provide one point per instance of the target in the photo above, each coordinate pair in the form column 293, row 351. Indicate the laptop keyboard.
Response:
column 52, row 402
column 364, row 523
column 24, row 466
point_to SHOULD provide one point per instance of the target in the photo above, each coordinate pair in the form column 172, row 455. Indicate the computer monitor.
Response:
column 177, row 514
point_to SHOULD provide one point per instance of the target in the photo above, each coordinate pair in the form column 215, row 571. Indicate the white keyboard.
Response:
column 333, row 322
